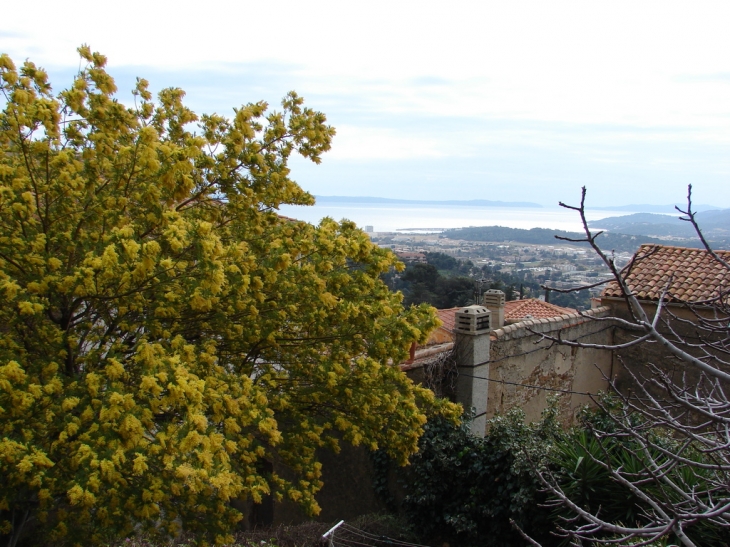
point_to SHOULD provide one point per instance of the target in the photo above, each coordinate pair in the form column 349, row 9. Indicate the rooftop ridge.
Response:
column 698, row 249
column 536, row 326
column 539, row 309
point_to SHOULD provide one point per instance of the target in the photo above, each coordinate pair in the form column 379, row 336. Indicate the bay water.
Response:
column 435, row 218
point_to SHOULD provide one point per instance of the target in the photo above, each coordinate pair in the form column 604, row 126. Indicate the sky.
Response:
column 509, row 101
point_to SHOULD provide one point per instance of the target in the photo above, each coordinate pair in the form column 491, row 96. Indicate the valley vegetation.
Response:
column 446, row 282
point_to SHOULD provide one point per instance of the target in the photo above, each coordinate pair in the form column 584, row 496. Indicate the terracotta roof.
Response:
column 516, row 310
column 409, row 255
column 447, row 318
column 695, row 275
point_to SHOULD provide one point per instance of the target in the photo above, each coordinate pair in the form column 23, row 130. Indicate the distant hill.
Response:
column 646, row 208
column 465, row 203
column 715, row 225
column 545, row 236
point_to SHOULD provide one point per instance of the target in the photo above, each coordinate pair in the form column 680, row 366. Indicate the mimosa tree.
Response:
column 163, row 331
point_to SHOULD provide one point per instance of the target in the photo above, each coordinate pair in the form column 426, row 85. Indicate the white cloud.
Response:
column 639, row 85
column 373, row 143
column 578, row 62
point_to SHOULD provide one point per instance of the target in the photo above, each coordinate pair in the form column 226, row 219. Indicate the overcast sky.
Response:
column 504, row 100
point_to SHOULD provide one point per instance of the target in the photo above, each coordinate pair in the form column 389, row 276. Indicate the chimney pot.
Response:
column 472, row 320
column 494, row 300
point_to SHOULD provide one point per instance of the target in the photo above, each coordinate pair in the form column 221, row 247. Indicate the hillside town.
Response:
column 562, row 266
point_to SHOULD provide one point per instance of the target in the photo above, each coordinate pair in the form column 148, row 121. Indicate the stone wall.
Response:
column 348, row 490
column 521, row 357
column 524, row 369
column 684, row 334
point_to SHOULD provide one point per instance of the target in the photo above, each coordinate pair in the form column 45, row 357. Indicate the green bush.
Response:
column 465, row 489
column 579, row 460
column 588, row 484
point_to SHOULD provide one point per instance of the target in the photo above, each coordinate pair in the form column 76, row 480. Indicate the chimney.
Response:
column 494, row 301
column 472, row 326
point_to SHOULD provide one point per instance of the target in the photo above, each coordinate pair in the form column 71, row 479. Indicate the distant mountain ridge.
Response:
column 546, row 236
column 715, row 224
column 638, row 208
column 465, row 203
column 646, row 208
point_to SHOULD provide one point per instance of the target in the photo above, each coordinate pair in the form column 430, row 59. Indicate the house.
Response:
column 408, row 256
column 532, row 308
column 694, row 290
column 515, row 311
column 505, row 363
column 498, row 358
column 681, row 277
column 521, row 365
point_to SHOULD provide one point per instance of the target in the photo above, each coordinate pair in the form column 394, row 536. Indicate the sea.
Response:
column 418, row 218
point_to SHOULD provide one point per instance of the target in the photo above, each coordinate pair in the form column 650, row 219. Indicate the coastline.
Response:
column 403, row 217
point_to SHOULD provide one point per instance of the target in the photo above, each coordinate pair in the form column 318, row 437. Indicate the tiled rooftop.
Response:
column 695, row 275
column 447, row 318
column 516, row 310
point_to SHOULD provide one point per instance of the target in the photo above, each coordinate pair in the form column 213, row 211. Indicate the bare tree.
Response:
column 671, row 412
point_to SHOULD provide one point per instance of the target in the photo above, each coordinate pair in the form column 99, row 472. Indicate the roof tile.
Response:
column 515, row 310
column 447, row 318
column 690, row 275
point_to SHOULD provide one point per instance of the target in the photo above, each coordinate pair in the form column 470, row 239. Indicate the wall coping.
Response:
column 514, row 331
column 425, row 354
column 531, row 327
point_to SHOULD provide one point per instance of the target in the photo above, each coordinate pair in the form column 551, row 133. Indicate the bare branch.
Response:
column 692, row 220
column 670, row 412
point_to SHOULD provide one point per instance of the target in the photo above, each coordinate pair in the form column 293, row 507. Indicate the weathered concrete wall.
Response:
column 684, row 334
column 348, row 492
column 619, row 308
column 520, row 357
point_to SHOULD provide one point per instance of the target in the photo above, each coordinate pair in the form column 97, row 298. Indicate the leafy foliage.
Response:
column 442, row 282
column 442, row 261
column 583, row 459
column 465, row 489
column 588, row 483
column 580, row 300
column 664, row 437
column 164, row 331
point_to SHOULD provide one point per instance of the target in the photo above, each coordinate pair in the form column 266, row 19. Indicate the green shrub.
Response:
column 579, row 461
column 465, row 489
